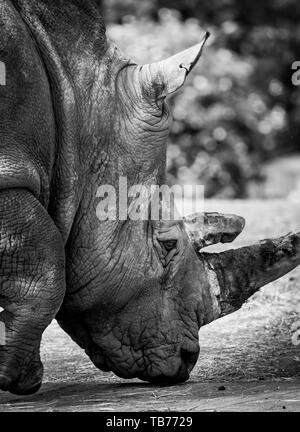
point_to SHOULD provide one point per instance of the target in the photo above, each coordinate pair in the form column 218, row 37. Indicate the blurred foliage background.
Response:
column 239, row 108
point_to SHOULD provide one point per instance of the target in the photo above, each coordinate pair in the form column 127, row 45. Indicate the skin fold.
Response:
column 75, row 115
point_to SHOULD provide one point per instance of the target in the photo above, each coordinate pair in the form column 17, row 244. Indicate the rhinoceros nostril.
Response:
column 4, row 383
column 189, row 359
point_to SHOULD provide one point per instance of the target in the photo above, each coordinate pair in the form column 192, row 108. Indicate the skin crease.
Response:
column 132, row 294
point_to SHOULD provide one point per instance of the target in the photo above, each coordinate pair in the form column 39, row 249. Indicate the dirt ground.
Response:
column 249, row 361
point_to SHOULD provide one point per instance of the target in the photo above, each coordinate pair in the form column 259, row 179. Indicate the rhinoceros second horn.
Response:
column 239, row 273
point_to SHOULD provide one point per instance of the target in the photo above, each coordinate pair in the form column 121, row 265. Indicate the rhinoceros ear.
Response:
column 169, row 75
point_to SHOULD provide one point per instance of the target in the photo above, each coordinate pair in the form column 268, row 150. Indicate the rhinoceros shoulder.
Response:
column 27, row 132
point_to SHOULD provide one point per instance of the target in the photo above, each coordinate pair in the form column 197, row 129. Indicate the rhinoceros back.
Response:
column 27, row 131
column 69, row 36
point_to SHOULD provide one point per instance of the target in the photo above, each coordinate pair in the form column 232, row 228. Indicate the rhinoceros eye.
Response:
column 170, row 244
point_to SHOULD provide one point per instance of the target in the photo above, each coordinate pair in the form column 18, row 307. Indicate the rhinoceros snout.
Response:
column 172, row 370
column 186, row 364
column 157, row 367
column 177, row 371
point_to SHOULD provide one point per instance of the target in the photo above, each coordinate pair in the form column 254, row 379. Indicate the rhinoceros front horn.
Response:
column 170, row 74
column 235, row 275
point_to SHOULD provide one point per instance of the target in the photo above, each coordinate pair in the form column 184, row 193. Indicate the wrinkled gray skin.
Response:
column 75, row 115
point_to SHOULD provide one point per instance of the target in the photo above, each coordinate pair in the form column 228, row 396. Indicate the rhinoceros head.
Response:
column 139, row 290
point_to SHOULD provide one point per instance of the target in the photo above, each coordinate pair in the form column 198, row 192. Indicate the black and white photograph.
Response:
column 149, row 209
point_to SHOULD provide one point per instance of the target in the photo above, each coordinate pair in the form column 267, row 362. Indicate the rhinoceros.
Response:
column 76, row 114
